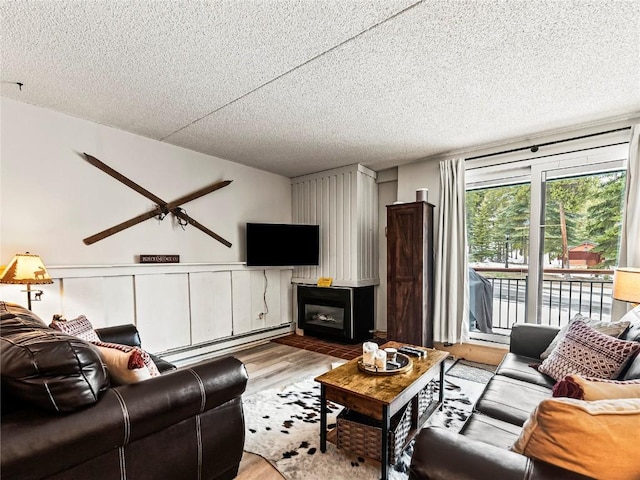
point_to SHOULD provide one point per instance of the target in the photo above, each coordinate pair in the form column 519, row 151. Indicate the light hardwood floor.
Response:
column 254, row 467
column 274, row 365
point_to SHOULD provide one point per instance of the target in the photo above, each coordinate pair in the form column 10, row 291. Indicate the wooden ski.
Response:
column 162, row 207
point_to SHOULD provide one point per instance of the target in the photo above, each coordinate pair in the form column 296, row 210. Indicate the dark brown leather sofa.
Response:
column 187, row 423
column 482, row 448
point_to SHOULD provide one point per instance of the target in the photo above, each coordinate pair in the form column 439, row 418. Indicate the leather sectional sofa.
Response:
column 482, row 448
column 185, row 423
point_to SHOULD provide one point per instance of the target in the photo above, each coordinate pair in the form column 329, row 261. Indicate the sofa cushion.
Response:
column 46, row 368
column 530, row 340
column 490, row 430
column 591, row 438
column 588, row 352
column 632, row 371
column 576, row 386
column 613, row 329
column 511, row 400
column 78, row 327
column 17, row 319
column 521, row 368
column 633, row 332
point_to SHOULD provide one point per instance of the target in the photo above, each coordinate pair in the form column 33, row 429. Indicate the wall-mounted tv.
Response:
column 278, row 244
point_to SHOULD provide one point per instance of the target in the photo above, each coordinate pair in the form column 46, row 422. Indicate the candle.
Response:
column 381, row 360
column 368, row 353
column 391, row 354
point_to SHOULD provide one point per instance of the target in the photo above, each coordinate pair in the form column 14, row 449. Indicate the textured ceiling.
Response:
column 295, row 87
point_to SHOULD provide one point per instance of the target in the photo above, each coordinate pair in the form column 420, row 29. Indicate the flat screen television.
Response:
column 278, row 244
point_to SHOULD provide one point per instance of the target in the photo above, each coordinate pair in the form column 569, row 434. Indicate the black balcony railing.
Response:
column 565, row 292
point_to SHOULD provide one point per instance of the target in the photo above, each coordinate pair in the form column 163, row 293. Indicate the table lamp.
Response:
column 626, row 285
column 26, row 269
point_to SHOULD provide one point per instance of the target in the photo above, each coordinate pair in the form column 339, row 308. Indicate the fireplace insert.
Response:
column 336, row 313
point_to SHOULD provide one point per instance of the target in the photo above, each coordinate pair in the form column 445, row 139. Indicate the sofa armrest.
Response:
column 440, row 454
column 121, row 416
column 162, row 365
column 162, row 401
column 122, row 334
column 531, row 340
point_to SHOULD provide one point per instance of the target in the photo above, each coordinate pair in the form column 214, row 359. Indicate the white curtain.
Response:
column 451, row 289
column 630, row 234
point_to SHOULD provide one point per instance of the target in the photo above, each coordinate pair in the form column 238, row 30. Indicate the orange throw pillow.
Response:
column 598, row 439
column 576, row 386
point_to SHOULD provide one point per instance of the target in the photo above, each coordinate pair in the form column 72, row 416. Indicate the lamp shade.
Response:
column 626, row 284
column 25, row 269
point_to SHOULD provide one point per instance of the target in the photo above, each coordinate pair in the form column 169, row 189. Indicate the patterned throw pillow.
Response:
column 126, row 364
column 588, row 352
column 615, row 329
column 78, row 327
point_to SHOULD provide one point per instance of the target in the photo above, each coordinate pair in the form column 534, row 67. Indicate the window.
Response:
column 543, row 236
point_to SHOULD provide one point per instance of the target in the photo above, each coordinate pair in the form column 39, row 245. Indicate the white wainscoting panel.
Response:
column 272, row 294
column 242, row 303
column 105, row 301
column 274, row 317
column 84, row 296
column 162, row 310
column 257, row 296
column 181, row 310
column 119, row 300
column 286, row 299
column 211, row 306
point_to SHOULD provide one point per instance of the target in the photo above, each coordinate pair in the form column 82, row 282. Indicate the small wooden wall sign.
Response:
column 159, row 258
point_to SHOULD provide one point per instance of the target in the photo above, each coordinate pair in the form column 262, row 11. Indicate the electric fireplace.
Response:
column 336, row 313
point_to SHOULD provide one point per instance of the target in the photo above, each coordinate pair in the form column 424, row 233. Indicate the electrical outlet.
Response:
column 261, row 315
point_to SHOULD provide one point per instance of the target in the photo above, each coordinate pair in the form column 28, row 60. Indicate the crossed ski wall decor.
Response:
column 162, row 208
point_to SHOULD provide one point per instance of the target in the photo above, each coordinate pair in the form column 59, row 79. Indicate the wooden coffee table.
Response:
column 380, row 397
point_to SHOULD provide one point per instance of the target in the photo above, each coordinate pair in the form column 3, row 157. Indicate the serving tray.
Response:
column 405, row 362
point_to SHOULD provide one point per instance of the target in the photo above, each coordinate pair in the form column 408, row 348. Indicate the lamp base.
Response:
column 37, row 296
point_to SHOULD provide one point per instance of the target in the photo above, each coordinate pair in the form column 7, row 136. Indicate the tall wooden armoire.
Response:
column 410, row 273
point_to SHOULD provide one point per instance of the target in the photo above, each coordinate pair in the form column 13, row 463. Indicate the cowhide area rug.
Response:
column 283, row 425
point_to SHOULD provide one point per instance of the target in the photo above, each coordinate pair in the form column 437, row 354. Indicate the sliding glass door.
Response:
column 575, row 237
column 542, row 239
column 498, row 218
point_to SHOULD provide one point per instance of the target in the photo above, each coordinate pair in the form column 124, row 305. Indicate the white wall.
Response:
column 51, row 198
column 387, row 194
column 424, row 174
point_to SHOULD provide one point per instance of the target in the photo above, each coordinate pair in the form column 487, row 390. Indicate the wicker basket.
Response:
column 362, row 435
column 425, row 397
